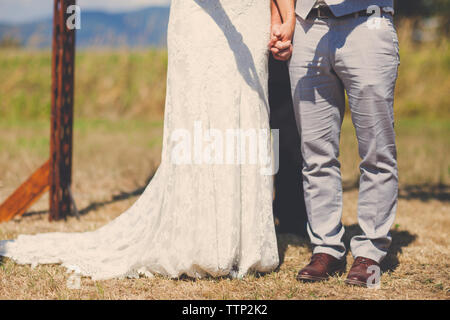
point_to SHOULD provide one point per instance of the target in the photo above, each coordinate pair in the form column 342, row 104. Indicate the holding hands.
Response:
column 282, row 30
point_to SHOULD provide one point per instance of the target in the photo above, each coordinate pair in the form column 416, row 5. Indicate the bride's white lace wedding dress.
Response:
column 193, row 218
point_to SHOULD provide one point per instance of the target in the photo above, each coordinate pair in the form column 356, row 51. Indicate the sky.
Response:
column 18, row 11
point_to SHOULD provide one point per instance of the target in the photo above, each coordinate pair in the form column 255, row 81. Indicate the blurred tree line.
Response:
column 421, row 9
column 10, row 42
column 418, row 11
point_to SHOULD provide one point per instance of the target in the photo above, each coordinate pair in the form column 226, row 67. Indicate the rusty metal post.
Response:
column 63, row 51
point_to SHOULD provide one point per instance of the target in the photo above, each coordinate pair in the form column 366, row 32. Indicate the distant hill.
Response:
column 140, row 28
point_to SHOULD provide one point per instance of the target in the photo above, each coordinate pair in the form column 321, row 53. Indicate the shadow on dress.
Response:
column 242, row 54
column 289, row 206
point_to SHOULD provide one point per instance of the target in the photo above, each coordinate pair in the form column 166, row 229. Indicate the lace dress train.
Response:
column 193, row 218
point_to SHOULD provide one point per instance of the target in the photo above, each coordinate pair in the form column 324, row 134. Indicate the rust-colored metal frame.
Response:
column 62, row 112
column 56, row 174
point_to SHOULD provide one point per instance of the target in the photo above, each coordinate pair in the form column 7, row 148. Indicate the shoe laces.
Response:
column 319, row 258
column 361, row 260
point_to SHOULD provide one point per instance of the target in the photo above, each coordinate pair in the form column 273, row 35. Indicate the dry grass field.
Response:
column 118, row 126
column 114, row 160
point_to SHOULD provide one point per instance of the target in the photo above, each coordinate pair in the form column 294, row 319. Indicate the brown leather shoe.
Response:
column 359, row 273
column 321, row 267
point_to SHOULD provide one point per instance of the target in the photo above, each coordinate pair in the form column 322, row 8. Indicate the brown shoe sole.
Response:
column 356, row 283
column 306, row 278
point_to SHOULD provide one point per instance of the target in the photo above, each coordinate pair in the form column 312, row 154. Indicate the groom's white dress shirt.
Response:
column 320, row 3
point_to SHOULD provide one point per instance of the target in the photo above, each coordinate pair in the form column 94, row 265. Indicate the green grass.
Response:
column 123, row 92
column 109, row 85
column 424, row 82
column 31, row 138
column 131, row 84
column 423, row 151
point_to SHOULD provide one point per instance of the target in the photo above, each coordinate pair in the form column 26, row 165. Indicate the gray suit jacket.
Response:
column 341, row 7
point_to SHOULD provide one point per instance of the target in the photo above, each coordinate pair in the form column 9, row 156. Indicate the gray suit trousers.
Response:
column 331, row 57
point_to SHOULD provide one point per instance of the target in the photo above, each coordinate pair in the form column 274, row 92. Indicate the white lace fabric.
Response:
column 191, row 219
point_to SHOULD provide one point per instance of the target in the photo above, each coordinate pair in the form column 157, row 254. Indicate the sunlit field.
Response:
column 117, row 142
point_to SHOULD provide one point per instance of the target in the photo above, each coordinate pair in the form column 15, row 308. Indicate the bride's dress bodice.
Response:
column 214, row 45
column 193, row 219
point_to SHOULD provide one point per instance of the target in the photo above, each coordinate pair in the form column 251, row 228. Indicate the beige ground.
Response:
column 114, row 160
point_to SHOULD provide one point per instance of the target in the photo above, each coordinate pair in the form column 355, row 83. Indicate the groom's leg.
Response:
column 367, row 63
column 318, row 97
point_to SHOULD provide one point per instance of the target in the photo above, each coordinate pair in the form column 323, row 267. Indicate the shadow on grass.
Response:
column 285, row 240
column 423, row 192
column 124, row 195
column 400, row 239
